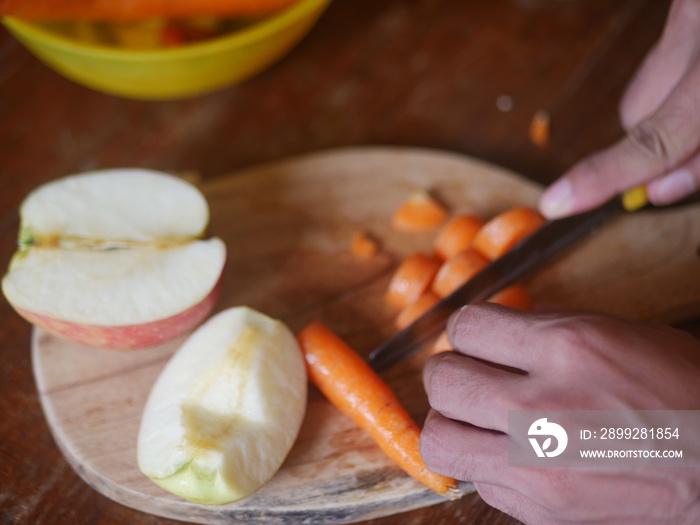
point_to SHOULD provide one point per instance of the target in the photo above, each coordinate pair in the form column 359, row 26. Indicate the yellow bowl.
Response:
column 170, row 73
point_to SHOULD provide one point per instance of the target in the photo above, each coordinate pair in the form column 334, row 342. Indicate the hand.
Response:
column 661, row 113
column 555, row 361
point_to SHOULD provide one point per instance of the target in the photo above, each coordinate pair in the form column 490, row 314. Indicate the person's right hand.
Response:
column 661, row 113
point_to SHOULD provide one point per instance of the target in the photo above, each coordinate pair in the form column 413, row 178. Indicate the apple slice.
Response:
column 226, row 409
column 115, row 259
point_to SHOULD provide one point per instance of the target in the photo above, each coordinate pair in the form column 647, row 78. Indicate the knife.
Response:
column 519, row 262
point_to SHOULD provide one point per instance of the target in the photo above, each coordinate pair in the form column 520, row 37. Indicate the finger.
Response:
column 493, row 333
column 676, row 185
column 466, row 390
column 654, row 147
column 512, row 503
column 463, row 452
column 664, row 65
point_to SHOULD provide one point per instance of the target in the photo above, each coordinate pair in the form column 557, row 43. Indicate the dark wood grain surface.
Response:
column 400, row 72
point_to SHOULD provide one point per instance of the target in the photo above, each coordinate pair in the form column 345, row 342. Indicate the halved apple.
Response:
column 226, row 409
column 115, row 258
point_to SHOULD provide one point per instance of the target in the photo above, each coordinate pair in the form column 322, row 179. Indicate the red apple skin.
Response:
column 129, row 337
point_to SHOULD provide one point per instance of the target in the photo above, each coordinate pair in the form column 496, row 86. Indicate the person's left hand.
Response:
column 557, row 361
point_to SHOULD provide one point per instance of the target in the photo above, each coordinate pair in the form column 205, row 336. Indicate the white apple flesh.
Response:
column 114, row 259
column 226, row 409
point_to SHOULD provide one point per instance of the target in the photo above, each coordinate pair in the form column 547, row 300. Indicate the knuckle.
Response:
column 498, row 499
column 434, row 372
column 573, row 333
column 452, row 384
column 429, row 444
column 573, row 340
column 652, row 141
column 442, row 455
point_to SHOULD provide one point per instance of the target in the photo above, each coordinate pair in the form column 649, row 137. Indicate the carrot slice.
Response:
column 456, row 236
column 357, row 391
column 414, row 310
column 457, row 270
column 441, row 344
column 539, row 128
column 411, row 279
column 363, row 246
column 514, row 296
column 505, row 230
column 418, row 213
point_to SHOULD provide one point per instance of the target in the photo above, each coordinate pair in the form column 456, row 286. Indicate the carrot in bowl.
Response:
column 458, row 270
column 411, row 279
column 456, row 235
column 357, row 391
column 115, row 10
column 505, row 230
column 420, row 212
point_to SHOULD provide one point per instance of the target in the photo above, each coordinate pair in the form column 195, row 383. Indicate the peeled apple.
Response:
column 226, row 409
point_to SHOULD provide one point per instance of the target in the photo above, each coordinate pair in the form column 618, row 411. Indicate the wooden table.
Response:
column 425, row 73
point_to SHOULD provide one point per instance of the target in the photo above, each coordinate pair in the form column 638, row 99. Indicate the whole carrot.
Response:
column 137, row 9
column 356, row 390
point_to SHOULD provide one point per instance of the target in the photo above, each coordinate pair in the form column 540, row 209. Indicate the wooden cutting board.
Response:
column 287, row 227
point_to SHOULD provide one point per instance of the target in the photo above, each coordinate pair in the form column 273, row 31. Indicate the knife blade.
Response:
column 525, row 258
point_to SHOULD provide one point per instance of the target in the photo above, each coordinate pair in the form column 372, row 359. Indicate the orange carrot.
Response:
column 363, row 246
column 505, row 230
column 357, row 391
column 441, row 344
column 418, row 213
column 411, row 279
column 180, row 32
column 539, row 128
column 171, row 36
column 456, row 235
column 457, row 270
column 514, row 296
column 414, row 310
column 116, row 10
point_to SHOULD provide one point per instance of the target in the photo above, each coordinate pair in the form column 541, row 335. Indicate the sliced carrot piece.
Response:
column 414, row 310
column 540, row 128
column 457, row 270
column 411, row 279
column 456, row 236
column 363, row 246
column 515, row 296
column 357, row 391
column 441, row 344
column 505, row 230
column 418, row 213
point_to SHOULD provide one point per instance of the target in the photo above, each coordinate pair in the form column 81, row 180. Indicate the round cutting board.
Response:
column 288, row 227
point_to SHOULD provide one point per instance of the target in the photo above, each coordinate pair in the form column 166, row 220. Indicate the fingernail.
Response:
column 556, row 200
column 672, row 187
column 453, row 321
